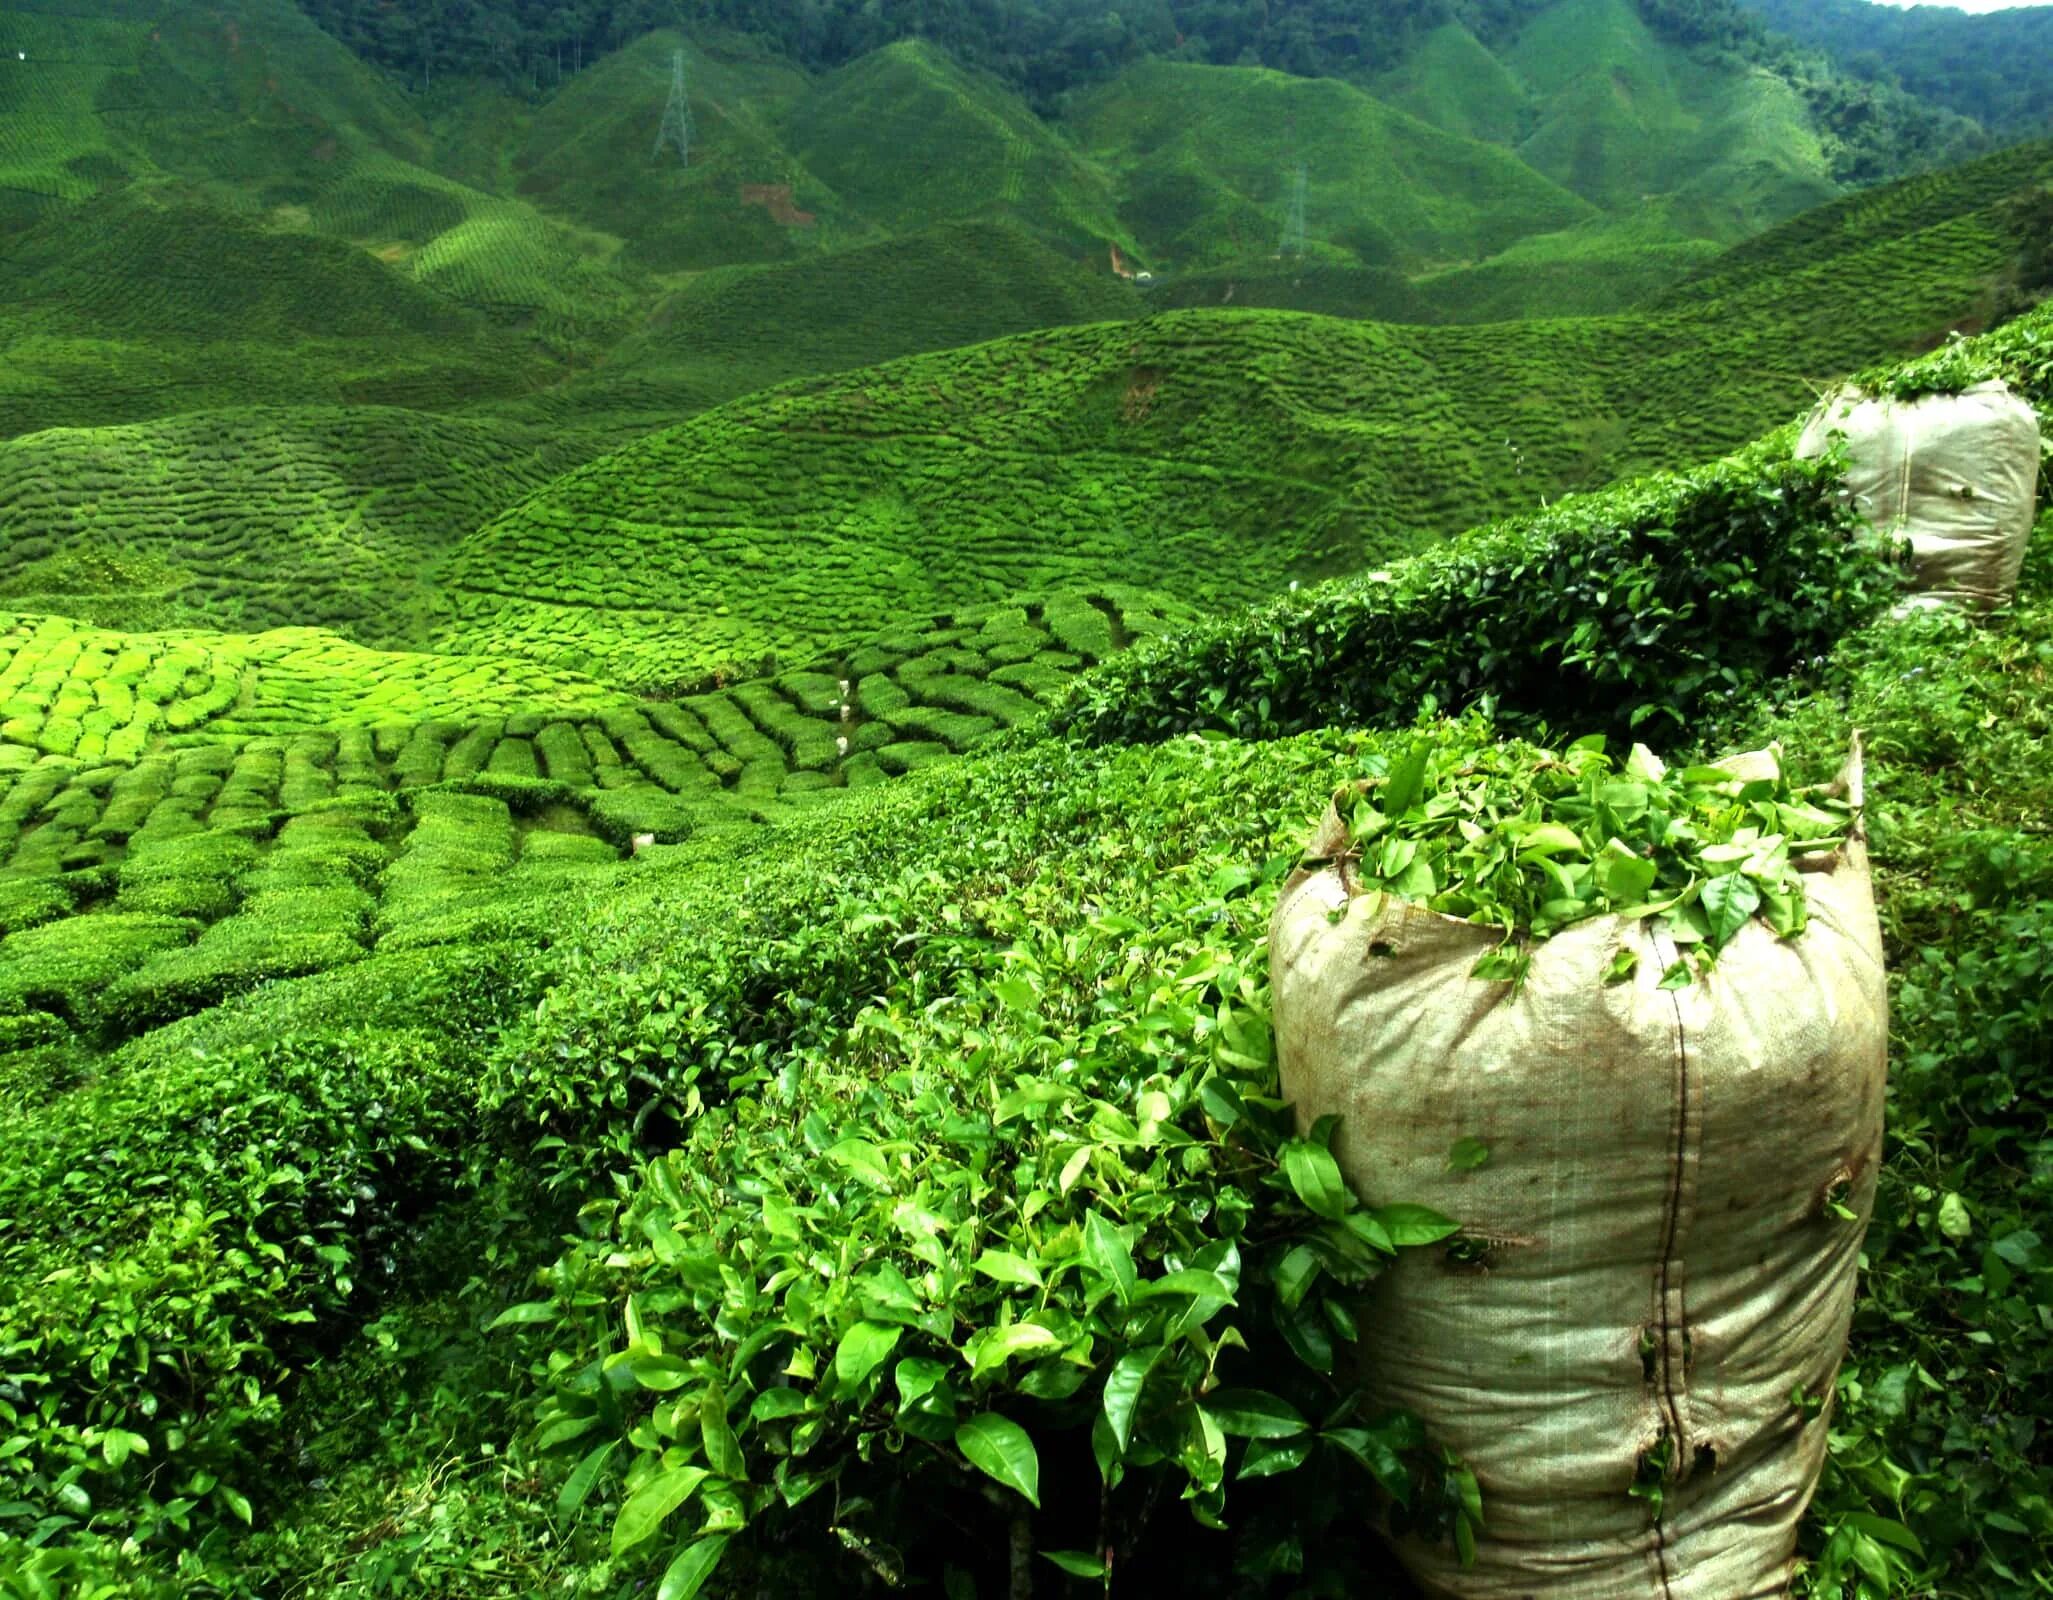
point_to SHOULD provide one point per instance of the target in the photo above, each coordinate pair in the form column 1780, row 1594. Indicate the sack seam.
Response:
column 1673, row 1392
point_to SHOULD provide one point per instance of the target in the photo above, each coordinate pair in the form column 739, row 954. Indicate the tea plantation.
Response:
column 640, row 797
column 1216, row 456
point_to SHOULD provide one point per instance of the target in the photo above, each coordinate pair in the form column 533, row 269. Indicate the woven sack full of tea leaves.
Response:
column 1954, row 474
column 1628, row 1026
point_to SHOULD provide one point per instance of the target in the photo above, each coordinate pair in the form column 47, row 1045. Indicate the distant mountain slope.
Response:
column 247, row 91
column 126, row 264
column 734, row 330
column 125, row 308
column 1211, row 456
column 907, row 137
column 1996, row 67
column 1454, row 81
column 588, row 154
column 1624, row 117
column 1563, row 160
column 1207, row 157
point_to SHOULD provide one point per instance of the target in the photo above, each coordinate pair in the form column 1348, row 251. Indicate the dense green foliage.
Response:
column 1636, row 607
column 1528, row 842
column 1996, row 67
column 1943, row 1400
column 566, row 1020
column 1037, row 1206
column 882, row 912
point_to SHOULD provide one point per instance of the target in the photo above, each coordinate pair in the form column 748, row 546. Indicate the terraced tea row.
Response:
column 104, row 697
column 136, row 886
column 92, row 698
column 72, row 690
column 134, row 895
column 905, row 698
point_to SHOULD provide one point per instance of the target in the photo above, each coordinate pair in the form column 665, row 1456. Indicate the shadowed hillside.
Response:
column 256, row 518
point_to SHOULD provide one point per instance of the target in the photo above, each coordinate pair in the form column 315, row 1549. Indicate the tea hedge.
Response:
column 154, row 1309
column 979, row 1217
column 1633, row 609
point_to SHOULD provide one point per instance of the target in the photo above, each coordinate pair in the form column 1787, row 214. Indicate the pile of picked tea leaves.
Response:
column 1530, row 841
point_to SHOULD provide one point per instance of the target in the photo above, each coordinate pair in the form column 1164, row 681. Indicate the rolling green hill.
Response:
column 1042, row 461
column 639, row 799
column 1205, row 158
column 1876, row 221
column 230, row 208
column 587, row 154
column 729, row 331
column 1624, row 118
column 906, row 137
column 257, row 518
column 764, row 530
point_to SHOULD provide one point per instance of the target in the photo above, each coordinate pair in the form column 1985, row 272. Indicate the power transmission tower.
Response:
column 677, row 127
column 1294, row 229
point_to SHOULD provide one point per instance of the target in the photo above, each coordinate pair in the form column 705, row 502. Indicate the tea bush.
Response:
column 1629, row 610
column 172, row 1242
column 946, row 1154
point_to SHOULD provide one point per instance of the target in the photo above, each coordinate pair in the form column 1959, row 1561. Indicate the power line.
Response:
column 677, row 125
column 1294, row 229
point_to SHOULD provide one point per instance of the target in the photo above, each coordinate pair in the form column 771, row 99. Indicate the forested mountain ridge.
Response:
column 1996, row 66
column 1458, row 162
column 1046, row 48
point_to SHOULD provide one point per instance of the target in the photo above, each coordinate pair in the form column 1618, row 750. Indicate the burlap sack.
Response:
column 1955, row 474
column 1663, row 1253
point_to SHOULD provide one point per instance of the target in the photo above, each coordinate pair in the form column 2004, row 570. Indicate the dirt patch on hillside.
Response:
column 776, row 198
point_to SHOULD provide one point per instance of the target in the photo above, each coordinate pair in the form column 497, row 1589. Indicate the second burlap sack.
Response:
column 1954, row 474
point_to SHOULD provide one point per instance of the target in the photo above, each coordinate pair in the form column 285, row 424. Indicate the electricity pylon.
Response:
column 1294, row 229
column 677, row 128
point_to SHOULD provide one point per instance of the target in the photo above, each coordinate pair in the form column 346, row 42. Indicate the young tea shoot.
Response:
column 1530, row 841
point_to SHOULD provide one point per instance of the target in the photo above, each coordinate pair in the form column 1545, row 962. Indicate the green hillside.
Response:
column 763, row 530
column 1624, row 118
column 229, row 208
column 587, row 154
column 256, row 518
column 907, row 137
column 1600, row 267
column 248, row 93
column 1875, row 220
column 1205, row 159
column 1994, row 66
column 142, row 303
column 732, row 330
column 1455, row 82
column 1332, row 444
